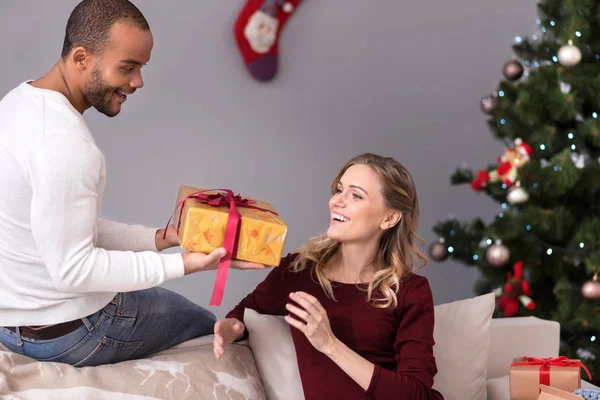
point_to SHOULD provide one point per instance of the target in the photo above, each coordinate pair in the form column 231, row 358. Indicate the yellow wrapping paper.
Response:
column 202, row 228
column 525, row 379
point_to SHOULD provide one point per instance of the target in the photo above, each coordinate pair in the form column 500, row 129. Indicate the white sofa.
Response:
column 473, row 352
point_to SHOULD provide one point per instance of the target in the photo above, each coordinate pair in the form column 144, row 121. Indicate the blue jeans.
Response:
column 133, row 325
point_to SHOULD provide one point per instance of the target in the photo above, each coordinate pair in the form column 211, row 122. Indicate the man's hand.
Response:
column 227, row 331
column 171, row 239
column 196, row 261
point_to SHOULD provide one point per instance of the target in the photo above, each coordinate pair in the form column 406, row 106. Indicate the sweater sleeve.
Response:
column 413, row 378
column 64, row 174
column 270, row 296
column 119, row 236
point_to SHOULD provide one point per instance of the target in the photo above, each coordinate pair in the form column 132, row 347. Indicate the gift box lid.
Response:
column 551, row 393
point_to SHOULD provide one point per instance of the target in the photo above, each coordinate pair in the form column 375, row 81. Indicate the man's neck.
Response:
column 57, row 79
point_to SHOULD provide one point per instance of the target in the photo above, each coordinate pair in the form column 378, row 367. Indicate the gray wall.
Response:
column 398, row 78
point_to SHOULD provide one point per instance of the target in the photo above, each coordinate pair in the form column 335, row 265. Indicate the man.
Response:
column 75, row 288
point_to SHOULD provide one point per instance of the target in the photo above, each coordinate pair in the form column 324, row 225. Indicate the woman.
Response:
column 363, row 320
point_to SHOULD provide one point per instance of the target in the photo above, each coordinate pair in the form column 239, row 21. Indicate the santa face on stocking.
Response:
column 257, row 32
column 261, row 31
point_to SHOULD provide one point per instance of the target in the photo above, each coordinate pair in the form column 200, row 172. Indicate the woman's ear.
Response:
column 392, row 219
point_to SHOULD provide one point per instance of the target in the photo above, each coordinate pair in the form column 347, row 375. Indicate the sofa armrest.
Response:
column 520, row 336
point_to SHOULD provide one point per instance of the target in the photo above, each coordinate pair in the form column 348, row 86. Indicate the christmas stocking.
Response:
column 257, row 32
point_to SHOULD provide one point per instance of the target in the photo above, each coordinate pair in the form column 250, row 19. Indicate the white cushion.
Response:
column 462, row 344
column 275, row 355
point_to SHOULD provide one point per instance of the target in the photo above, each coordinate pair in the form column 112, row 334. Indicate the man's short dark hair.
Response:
column 90, row 23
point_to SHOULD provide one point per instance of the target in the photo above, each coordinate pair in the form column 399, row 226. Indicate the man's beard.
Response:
column 99, row 94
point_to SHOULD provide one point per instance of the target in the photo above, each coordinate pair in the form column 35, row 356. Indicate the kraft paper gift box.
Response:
column 202, row 223
column 528, row 373
column 550, row 393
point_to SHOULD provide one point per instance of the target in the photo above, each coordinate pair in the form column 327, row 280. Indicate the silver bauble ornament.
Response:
column 488, row 104
column 512, row 70
column 569, row 55
column 591, row 289
column 517, row 195
column 438, row 251
column 497, row 254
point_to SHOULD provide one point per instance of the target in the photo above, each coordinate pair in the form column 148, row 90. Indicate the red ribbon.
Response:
column 545, row 364
column 222, row 199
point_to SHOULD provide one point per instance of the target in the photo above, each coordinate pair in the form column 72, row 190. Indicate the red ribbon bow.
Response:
column 545, row 364
column 222, row 199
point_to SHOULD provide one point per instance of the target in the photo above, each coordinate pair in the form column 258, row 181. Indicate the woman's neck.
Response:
column 354, row 264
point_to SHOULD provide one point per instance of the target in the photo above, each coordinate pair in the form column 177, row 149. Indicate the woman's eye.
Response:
column 356, row 196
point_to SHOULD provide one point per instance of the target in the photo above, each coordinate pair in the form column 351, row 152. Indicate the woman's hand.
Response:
column 227, row 331
column 314, row 322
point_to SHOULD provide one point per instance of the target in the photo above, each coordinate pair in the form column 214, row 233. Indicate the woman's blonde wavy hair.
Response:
column 397, row 257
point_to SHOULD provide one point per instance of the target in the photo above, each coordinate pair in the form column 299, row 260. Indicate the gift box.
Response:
column 249, row 229
column 528, row 373
column 551, row 393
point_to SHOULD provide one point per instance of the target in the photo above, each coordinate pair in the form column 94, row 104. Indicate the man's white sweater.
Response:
column 59, row 261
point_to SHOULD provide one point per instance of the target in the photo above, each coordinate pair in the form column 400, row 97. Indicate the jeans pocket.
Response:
column 110, row 351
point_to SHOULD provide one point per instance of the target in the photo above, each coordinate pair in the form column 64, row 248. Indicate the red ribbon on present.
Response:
column 225, row 197
column 545, row 364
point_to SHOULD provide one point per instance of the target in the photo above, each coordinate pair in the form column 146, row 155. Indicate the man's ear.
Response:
column 80, row 57
column 392, row 219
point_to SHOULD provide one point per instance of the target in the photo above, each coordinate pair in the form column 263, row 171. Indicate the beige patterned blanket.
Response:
column 187, row 371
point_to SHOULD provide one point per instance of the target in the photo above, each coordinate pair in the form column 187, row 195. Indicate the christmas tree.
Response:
column 541, row 252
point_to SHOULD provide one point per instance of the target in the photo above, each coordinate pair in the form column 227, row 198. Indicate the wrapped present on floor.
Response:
column 528, row 373
column 550, row 393
column 250, row 230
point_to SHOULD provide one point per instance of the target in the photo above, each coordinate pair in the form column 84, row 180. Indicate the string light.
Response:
column 552, row 23
column 594, row 114
column 475, row 257
column 593, row 338
column 503, row 121
column 501, row 93
column 578, row 34
column 581, row 245
column 554, row 58
column 542, row 146
column 573, row 147
column 570, row 135
column 549, row 252
column 450, row 249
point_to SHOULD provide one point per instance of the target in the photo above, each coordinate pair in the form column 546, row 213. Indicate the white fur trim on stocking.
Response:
column 261, row 31
column 288, row 7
